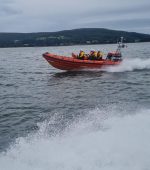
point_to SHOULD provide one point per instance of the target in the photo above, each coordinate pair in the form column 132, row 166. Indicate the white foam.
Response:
column 91, row 143
column 130, row 65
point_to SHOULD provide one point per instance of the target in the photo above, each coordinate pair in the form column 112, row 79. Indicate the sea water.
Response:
column 84, row 120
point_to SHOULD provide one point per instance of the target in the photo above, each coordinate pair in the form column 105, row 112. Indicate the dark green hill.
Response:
column 70, row 37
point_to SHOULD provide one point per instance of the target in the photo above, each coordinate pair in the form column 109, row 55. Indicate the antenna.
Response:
column 120, row 45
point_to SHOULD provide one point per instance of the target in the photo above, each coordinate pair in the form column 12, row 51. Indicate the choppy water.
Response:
column 89, row 120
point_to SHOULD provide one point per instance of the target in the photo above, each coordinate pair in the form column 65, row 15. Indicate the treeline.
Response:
column 70, row 37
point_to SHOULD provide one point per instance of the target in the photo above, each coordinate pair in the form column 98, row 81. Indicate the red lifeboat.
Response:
column 73, row 63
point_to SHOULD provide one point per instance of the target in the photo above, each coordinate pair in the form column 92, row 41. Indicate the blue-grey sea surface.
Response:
column 84, row 120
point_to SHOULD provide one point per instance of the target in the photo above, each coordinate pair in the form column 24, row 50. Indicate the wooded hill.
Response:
column 70, row 37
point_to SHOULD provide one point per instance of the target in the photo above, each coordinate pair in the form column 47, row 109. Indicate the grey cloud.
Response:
column 50, row 15
column 7, row 7
column 5, row 1
column 5, row 10
column 126, row 24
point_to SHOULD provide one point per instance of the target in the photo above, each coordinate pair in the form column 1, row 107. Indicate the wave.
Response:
column 96, row 141
column 130, row 65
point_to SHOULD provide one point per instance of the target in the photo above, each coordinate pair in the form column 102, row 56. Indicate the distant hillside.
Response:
column 69, row 37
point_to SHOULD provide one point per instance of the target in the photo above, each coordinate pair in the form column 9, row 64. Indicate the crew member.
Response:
column 95, row 55
column 92, row 55
column 99, row 55
column 81, row 54
column 109, row 56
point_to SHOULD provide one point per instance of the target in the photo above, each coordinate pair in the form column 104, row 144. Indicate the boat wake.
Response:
column 130, row 65
column 97, row 141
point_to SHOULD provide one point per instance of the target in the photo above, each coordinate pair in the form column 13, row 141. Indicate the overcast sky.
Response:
column 56, row 15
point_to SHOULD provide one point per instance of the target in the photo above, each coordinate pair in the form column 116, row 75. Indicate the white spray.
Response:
column 122, row 143
column 130, row 65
